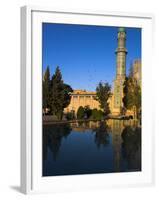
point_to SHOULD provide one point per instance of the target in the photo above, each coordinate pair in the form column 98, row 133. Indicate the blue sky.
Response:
column 86, row 54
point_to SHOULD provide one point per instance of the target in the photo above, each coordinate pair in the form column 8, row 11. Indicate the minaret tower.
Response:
column 120, row 71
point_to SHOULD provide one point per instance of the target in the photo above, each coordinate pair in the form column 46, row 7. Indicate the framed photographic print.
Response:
column 86, row 100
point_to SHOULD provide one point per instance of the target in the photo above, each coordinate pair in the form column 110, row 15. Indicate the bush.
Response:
column 80, row 113
column 70, row 116
column 87, row 112
column 97, row 114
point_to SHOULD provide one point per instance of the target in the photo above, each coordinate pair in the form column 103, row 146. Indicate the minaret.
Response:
column 120, row 71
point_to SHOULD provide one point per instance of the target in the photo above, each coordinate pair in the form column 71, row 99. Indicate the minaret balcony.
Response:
column 121, row 49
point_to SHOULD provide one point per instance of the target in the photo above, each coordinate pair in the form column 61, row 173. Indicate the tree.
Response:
column 132, row 94
column 56, row 93
column 60, row 94
column 103, row 92
column 97, row 114
column 87, row 111
column 46, row 89
column 80, row 113
column 66, row 92
column 70, row 115
column 84, row 112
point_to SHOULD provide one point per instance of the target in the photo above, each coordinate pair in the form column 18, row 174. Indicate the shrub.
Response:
column 87, row 112
column 97, row 114
column 80, row 113
column 70, row 116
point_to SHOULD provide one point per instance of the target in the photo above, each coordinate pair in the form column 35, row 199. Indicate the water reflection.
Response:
column 52, row 138
column 101, row 134
column 91, row 147
column 83, row 126
column 116, row 127
column 131, row 147
column 126, row 142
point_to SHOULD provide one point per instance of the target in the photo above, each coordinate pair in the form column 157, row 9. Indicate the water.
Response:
column 91, row 147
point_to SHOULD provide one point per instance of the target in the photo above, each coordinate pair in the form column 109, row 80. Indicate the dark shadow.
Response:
column 16, row 188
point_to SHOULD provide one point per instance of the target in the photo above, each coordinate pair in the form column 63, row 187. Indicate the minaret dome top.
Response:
column 121, row 29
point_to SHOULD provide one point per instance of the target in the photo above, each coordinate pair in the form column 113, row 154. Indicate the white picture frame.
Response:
column 31, row 101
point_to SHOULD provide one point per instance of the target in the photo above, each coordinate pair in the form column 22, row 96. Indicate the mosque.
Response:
column 87, row 98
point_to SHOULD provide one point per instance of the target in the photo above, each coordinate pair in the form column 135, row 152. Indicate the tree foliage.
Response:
column 80, row 113
column 66, row 94
column 97, row 114
column 46, row 89
column 87, row 112
column 132, row 94
column 59, row 93
column 70, row 115
column 103, row 92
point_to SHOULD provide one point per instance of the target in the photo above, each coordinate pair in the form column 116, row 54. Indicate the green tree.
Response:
column 66, row 95
column 46, row 89
column 103, row 92
column 87, row 111
column 70, row 115
column 132, row 95
column 97, row 114
column 80, row 113
column 60, row 94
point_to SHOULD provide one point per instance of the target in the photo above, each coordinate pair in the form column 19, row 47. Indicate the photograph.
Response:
column 91, row 99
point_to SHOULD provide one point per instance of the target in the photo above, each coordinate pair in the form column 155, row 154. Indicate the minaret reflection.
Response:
column 126, row 141
column 116, row 127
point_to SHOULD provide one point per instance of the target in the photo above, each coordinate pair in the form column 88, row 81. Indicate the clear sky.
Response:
column 86, row 54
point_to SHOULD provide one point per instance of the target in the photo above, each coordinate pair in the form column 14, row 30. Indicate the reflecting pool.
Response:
column 91, row 147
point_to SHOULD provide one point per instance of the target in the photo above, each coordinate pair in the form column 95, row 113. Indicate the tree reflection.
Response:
column 131, row 147
column 52, row 138
column 101, row 134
